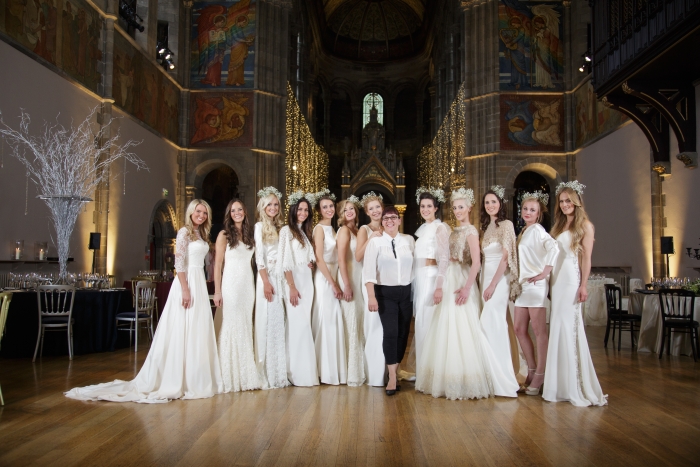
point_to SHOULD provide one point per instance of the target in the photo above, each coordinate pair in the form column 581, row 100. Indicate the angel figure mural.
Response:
column 219, row 119
column 223, row 40
column 547, row 123
column 545, row 45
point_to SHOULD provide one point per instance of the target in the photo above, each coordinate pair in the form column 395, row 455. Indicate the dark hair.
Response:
column 305, row 226
column 485, row 218
column 324, row 197
column 390, row 210
column 230, row 230
column 430, row 196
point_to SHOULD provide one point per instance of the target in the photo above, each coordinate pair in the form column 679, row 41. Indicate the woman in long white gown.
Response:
column 296, row 258
column 183, row 362
column 430, row 264
column 350, row 282
column 570, row 374
column 326, row 314
column 270, row 341
column 234, row 294
column 375, row 368
column 537, row 252
column 499, row 279
column 457, row 361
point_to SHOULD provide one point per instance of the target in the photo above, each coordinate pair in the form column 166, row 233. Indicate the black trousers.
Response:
column 395, row 312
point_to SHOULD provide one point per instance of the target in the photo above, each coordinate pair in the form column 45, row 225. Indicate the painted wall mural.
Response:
column 221, row 119
column 531, row 49
column 142, row 89
column 64, row 33
column 532, row 122
column 223, row 44
column 593, row 119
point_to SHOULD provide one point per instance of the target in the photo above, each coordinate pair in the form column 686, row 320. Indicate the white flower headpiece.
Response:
column 371, row 196
column 500, row 192
column 355, row 200
column 436, row 192
column 536, row 195
column 574, row 185
column 463, row 193
column 298, row 195
column 270, row 190
column 325, row 192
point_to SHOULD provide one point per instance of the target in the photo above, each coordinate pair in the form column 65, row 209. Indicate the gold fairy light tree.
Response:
column 441, row 164
column 306, row 162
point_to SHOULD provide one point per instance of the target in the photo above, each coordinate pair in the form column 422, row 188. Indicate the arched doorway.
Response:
column 218, row 188
column 529, row 181
column 161, row 237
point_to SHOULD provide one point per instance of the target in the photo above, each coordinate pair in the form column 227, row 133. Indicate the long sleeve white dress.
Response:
column 375, row 367
column 183, row 362
column 536, row 250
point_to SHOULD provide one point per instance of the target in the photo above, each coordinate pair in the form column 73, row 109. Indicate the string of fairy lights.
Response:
column 441, row 163
column 306, row 162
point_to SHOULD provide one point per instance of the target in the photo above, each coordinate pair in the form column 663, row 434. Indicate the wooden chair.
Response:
column 617, row 316
column 677, row 310
column 55, row 313
column 144, row 306
column 5, row 299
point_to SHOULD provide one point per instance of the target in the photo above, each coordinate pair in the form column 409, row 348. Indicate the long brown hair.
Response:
column 232, row 234
column 577, row 226
column 305, row 226
column 485, row 218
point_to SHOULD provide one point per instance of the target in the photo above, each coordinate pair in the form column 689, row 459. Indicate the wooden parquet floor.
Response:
column 653, row 418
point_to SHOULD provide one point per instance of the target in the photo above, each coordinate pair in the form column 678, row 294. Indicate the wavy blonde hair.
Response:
column 205, row 228
column 340, row 211
column 270, row 227
column 577, row 226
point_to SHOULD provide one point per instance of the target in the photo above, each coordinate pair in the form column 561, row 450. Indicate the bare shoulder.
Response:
column 588, row 228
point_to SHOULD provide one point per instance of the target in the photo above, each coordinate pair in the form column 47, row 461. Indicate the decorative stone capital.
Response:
column 286, row 4
column 401, row 208
column 466, row 4
column 690, row 159
column 188, row 3
column 626, row 88
column 663, row 168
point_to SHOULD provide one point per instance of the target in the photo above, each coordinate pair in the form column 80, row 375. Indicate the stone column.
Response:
column 657, row 224
column 189, row 195
column 402, row 210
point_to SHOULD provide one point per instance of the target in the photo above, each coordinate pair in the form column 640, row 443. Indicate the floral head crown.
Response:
column 574, row 185
column 436, row 192
column 298, row 195
column 354, row 200
column 463, row 193
column 269, row 190
column 371, row 196
column 536, row 195
column 500, row 192
column 325, row 192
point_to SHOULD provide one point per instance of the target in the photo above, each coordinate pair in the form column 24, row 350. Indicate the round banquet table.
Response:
column 94, row 324
column 595, row 309
column 651, row 328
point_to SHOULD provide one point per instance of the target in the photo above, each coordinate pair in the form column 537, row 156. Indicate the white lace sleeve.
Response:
column 259, row 247
column 442, row 253
column 285, row 261
column 183, row 240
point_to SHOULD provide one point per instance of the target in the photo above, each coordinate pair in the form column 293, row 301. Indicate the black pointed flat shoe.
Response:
column 390, row 392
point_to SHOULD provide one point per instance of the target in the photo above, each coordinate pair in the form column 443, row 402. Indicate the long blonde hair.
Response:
column 270, row 227
column 577, row 226
column 205, row 228
column 340, row 210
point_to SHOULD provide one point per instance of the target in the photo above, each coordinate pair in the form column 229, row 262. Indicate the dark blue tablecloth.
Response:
column 94, row 327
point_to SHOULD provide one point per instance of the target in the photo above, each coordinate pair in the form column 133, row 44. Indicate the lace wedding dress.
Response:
column 352, row 317
column 234, row 321
column 183, row 362
column 270, row 341
column 570, row 375
column 457, row 361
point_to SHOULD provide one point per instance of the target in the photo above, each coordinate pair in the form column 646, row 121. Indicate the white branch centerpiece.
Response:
column 67, row 165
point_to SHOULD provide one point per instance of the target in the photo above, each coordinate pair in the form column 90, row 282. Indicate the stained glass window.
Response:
column 372, row 100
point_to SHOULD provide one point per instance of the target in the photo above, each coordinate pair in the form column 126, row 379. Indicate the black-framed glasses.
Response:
column 393, row 247
column 390, row 218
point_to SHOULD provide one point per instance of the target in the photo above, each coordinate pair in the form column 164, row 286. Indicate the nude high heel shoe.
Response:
column 530, row 391
column 524, row 387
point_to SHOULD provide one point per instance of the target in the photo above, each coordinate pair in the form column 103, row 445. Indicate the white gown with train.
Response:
column 570, row 374
column 327, row 317
column 352, row 316
column 375, row 367
column 183, row 362
column 301, row 354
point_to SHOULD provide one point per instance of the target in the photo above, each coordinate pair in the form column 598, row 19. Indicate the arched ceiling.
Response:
column 375, row 30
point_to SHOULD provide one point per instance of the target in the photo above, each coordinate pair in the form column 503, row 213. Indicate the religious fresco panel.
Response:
column 143, row 90
column 531, row 122
column 530, row 46
column 223, row 45
column 64, row 33
column 221, row 119
column 592, row 118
